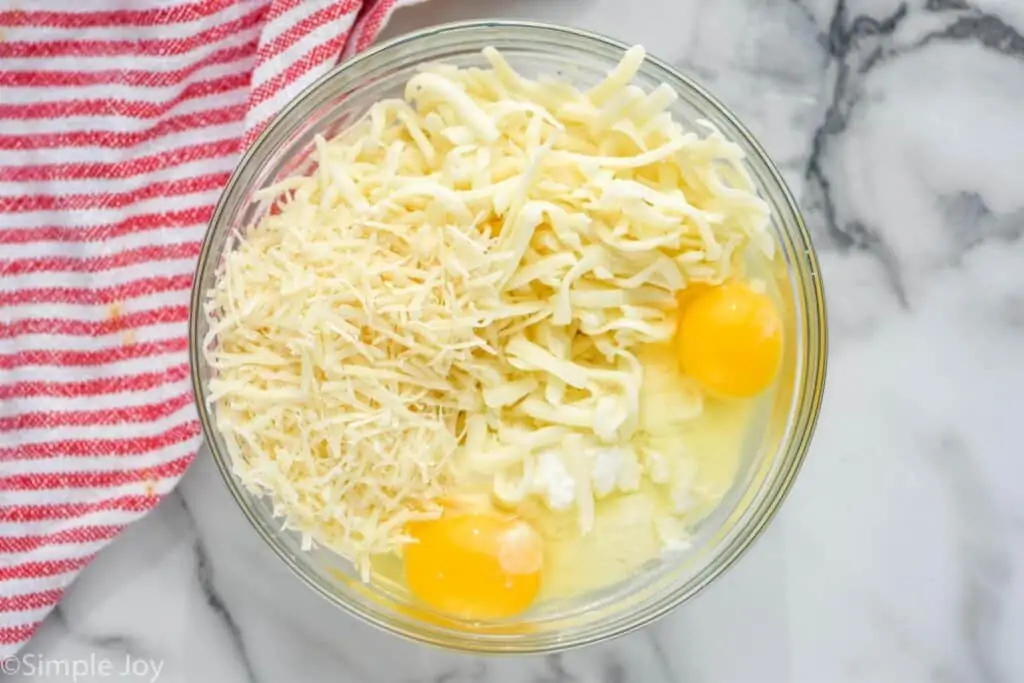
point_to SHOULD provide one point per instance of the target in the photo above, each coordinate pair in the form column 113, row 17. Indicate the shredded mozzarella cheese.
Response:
column 458, row 290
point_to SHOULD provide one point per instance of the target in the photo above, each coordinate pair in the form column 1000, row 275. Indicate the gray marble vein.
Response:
column 119, row 644
column 844, row 44
column 204, row 575
column 974, row 24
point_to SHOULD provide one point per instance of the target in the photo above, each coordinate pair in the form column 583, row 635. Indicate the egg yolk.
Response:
column 474, row 566
column 730, row 340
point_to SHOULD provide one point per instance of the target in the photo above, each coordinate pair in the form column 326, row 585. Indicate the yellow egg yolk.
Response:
column 474, row 566
column 730, row 340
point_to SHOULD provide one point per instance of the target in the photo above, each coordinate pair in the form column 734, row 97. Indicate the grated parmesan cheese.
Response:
column 457, row 293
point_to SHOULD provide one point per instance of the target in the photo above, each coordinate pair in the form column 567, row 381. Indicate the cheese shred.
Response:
column 460, row 286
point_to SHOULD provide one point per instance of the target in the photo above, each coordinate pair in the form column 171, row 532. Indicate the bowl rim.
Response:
column 813, row 380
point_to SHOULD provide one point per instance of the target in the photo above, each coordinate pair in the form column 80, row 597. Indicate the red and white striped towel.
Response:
column 120, row 121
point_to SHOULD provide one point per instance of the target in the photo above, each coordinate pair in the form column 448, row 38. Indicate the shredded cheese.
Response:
column 458, row 291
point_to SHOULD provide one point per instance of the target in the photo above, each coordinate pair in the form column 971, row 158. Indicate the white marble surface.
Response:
column 899, row 556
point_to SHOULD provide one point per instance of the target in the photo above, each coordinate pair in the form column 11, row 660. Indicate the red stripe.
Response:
column 370, row 25
column 250, row 137
column 148, row 412
column 81, row 534
column 279, row 7
column 115, row 354
column 85, row 480
column 81, row 448
column 308, row 24
column 115, row 200
column 115, row 170
column 95, row 328
column 95, row 387
column 163, row 47
column 318, row 55
column 35, row 570
column 30, row 601
column 38, row 513
column 93, row 264
column 111, row 140
column 325, row 51
column 133, row 77
column 102, row 233
column 16, row 634
column 132, row 108
column 102, row 296
column 175, row 14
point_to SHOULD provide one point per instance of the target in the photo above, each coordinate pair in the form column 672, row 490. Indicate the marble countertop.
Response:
column 899, row 556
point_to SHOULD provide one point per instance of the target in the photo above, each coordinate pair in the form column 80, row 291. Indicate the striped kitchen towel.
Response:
column 120, row 121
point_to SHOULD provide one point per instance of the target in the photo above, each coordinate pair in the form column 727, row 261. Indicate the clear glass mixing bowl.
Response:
column 773, row 450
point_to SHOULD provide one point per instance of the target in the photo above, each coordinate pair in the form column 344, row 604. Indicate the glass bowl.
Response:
column 772, row 453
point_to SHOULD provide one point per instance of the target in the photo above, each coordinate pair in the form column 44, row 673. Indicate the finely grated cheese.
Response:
column 457, row 294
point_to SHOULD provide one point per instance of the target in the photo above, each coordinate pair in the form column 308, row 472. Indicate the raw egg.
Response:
column 475, row 566
column 730, row 340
